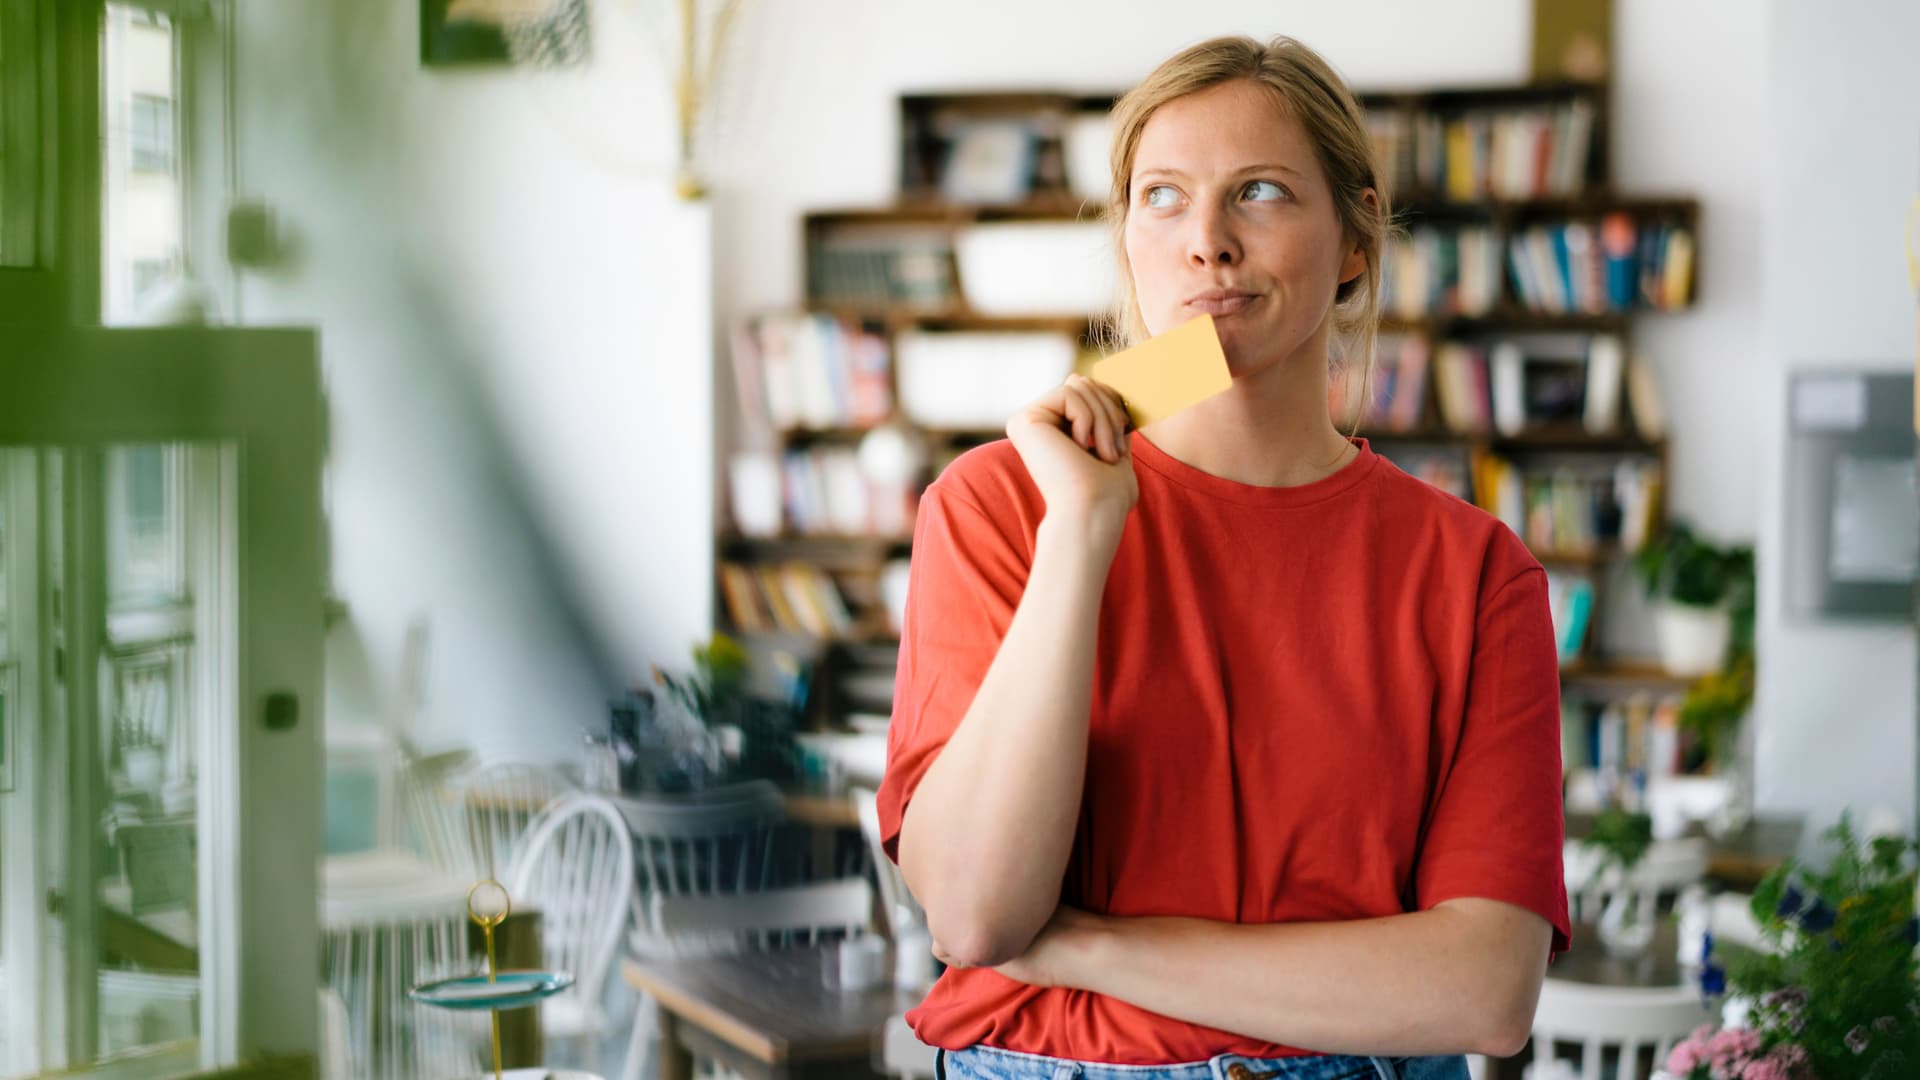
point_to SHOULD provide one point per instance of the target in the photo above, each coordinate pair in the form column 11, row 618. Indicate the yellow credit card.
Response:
column 1158, row 378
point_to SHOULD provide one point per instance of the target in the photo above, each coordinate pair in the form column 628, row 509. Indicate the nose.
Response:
column 1212, row 241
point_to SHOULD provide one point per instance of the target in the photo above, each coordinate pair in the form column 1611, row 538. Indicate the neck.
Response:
column 1271, row 429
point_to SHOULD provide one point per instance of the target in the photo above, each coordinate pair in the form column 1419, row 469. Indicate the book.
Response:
column 1509, row 388
column 1676, row 276
column 1605, row 369
column 1643, row 397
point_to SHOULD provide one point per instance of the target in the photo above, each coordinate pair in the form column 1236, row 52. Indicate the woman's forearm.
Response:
column 985, row 839
column 1463, row 977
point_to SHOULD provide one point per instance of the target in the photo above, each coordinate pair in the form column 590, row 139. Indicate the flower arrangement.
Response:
column 1621, row 837
column 1834, row 996
column 718, row 679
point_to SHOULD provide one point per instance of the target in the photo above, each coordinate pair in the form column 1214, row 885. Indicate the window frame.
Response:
column 82, row 387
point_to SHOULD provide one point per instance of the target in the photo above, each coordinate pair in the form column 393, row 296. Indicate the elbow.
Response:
column 1504, row 1037
column 1505, row 1026
column 978, row 940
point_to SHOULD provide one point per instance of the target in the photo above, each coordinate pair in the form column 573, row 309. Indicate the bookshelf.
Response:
column 1520, row 266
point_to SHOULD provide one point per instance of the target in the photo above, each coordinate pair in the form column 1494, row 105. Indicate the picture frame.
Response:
column 476, row 33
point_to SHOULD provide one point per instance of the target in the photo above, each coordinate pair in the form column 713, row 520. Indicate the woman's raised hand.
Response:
column 1073, row 441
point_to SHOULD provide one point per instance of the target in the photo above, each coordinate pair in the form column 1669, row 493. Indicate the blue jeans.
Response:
column 990, row 1063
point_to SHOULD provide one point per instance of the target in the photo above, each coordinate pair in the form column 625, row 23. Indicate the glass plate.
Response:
column 510, row 990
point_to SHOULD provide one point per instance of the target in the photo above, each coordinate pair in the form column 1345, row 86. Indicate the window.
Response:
column 152, row 139
column 143, row 198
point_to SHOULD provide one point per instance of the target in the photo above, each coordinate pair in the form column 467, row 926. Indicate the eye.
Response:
column 1263, row 191
column 1159, row 195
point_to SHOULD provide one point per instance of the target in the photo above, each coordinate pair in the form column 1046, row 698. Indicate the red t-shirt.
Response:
column 1327, row 702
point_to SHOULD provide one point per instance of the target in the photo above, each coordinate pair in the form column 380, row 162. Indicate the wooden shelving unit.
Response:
column 927, row 293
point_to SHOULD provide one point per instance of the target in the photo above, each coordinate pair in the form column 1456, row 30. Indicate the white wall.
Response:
column 515, row 321
column 504, row 288
column 1837, row 723
column 1697, row 110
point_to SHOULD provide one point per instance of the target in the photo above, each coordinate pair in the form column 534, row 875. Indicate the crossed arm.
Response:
column 1461, row 977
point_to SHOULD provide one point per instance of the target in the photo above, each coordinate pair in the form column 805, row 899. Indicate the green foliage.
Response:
column 717, row 683
column 1622, row 838
column 1714, row 706
column 1840, row 980
column 1683, row 567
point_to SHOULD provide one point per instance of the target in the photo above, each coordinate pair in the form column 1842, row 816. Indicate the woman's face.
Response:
column 1230, row 214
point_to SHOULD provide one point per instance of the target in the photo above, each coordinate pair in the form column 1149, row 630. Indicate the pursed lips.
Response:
column 1221, row 301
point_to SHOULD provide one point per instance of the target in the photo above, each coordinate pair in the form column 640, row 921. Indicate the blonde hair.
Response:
column 1313, row 94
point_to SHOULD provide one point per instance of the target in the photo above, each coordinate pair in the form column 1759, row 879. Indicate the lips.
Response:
column 1221, row 301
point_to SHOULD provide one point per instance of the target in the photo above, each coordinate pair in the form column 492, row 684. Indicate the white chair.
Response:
column 767, row 918
column 1610, row 1021
column 904, row 913
column 714, row 843
column 432, row 822
column 501, row 804
column 902, row 1054
column 1667, row 867
column 391, row 921
column 576, row 867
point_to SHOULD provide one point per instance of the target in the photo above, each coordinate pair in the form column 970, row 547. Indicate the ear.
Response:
column 1356, row 261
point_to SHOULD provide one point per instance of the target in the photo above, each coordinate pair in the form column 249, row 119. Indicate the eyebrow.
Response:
column 1272, row 166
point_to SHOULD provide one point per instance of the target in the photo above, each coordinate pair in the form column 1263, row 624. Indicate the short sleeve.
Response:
column 969, row 571
column 1498, row 828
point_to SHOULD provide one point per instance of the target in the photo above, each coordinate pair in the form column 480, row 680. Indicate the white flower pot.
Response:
column 1693, row 640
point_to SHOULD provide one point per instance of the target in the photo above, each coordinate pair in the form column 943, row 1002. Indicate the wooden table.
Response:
column 766, row 1014
column 1589, row 962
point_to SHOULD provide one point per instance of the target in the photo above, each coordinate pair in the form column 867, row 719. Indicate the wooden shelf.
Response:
column 1623, row 676
column 1586, row 204
column 1513, row 320
column 939, row 212
column 897, row 318
column 792, row 540
column 1589, row 559
column 1537, row 439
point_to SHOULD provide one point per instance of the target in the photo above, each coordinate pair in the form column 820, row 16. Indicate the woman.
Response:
column 1224, row 748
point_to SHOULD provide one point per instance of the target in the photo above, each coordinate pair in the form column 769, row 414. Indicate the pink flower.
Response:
column 1690, row 1053
column 1729, row 1048
column 1765, row 1068
column 1684, row 1058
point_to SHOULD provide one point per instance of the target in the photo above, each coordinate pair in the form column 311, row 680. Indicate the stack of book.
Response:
column 1571, row 508
column 1525, row 152
column 795, row 598
column 1637, row 737
column 906, row 269
column 827, row 494
column 1616, row 265
column 1442, row 271
column 1394, row 398
column 1532, row 381
column 810, row 371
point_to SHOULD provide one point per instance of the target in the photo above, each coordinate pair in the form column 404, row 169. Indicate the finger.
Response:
column 1116, row 407
column 1080, row 415
column 1102, row 441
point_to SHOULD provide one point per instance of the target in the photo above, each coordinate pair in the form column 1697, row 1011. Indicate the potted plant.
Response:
column 748, row 737
column 1712, row 710
column 1705, row 598
column 1836, row 990
column 1620, row 839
